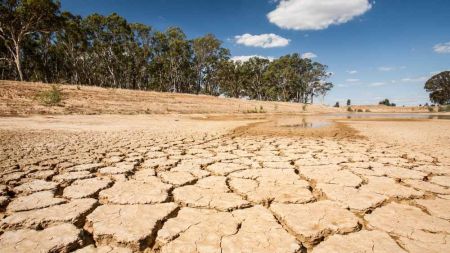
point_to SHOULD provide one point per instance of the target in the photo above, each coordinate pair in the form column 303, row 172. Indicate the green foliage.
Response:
column 349, row 109
column 349, row 102
column 337, row 105
column 430, row 108
column 439, row 88
column 51, row 97
column 386, row 102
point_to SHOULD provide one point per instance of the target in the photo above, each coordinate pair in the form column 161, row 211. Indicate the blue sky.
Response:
column 375, row 49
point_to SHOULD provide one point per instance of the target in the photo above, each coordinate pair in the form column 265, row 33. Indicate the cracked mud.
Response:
column 218, row 191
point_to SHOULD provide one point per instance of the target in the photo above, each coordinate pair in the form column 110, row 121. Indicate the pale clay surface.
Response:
column 181, row 185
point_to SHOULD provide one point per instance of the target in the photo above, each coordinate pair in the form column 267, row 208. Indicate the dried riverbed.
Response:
column 223, row 184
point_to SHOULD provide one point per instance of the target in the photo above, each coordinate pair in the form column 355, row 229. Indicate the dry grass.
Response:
column 19, row 99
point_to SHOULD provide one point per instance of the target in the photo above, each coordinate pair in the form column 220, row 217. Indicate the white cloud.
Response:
column 386, row 69
column 263, row 40
column 352, row 72
column 442, row 48
column 309, row 55
column 414, row 79
column 244, row 58
column 377, row 84
column 352, row 80
column 316, row 14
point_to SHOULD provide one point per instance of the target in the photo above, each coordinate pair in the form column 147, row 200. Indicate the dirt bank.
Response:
column 19, row 99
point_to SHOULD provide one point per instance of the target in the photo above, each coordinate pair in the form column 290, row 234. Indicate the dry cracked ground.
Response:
column 212, row 191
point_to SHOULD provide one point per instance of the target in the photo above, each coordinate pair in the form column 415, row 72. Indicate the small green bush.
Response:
column 349, row 109
column 261, row 109
column 430, row 109
column 51, row 97
column 360, row 110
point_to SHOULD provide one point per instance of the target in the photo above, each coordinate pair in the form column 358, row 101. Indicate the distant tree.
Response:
column 349, row 102
column 337, row 105
column 385, row 102
column 19, row 19
column 439, row 88
column 324, row 88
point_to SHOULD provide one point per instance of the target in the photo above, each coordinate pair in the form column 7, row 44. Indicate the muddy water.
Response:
column 391, row 116
column 318, row 121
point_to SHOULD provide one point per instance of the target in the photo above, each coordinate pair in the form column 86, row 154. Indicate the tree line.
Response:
column 39, row 42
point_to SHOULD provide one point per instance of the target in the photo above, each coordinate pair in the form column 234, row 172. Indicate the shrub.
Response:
column 261, row 109
column 349, row 109
column 430, row 109
column 336, row 105
column 304, row 107
column 367, row 110
column 360, row 110
column 444, row 108
column 51, row 97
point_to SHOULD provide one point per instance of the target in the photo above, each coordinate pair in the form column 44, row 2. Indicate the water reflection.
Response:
column 392, row 116
column 318, row 121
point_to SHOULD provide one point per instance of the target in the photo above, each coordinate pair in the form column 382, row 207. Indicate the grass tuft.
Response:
column 51, row 97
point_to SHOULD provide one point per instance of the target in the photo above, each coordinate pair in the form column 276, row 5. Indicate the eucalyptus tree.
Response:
column 439, row 88
column 232, row 78
column 71, row 45
column 140, row 48
column 21, row 18
column 314, row 76
column 284, row 74
column 207, row 55
column 107, row 38
column 178, row 60
column 257, row 86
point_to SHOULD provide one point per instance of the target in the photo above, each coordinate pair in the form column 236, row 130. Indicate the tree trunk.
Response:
column 17, row 60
